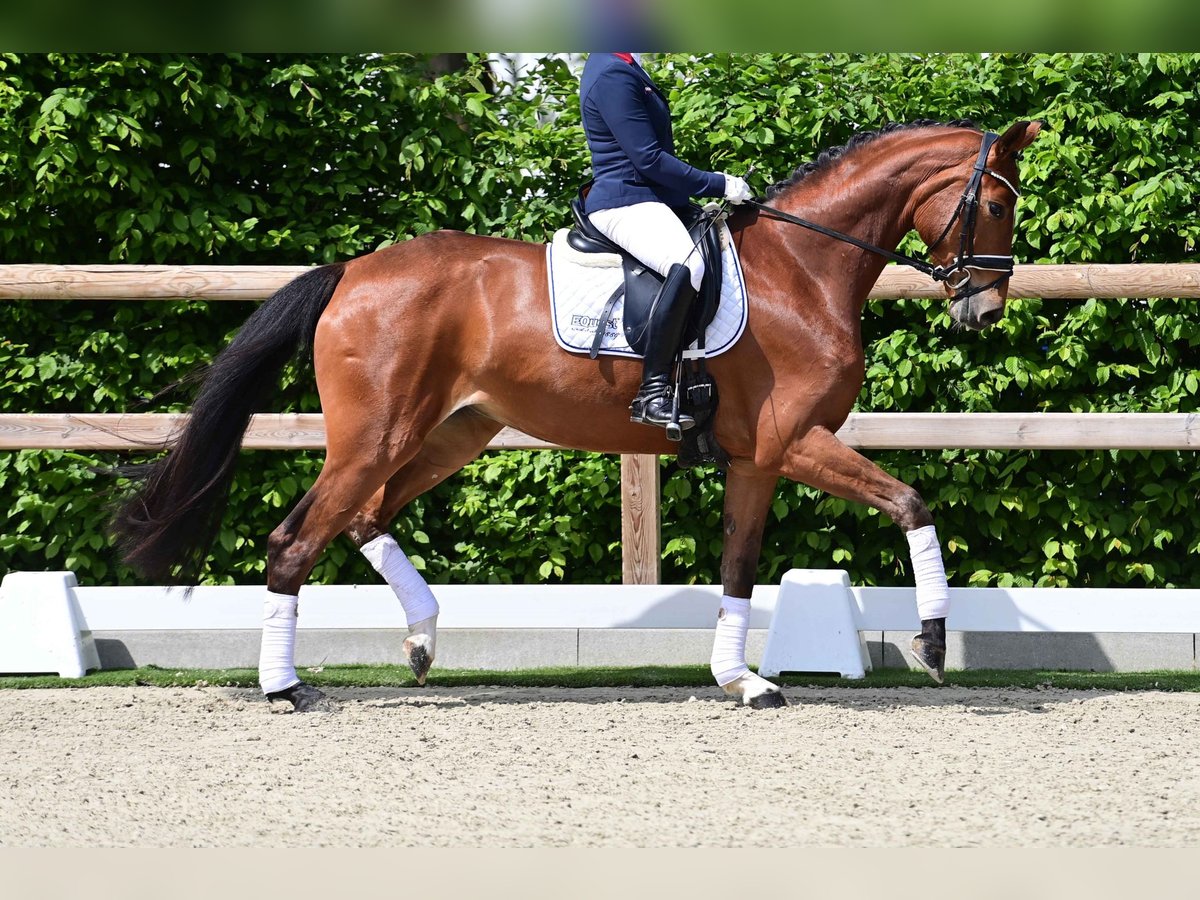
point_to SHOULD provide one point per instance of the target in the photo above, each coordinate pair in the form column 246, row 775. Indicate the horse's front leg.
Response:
column 821, row 460
column 748, row 494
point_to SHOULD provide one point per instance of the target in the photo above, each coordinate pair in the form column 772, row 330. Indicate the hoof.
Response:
column 769, row 700
column 930, row 656
column 304, row 698
column 755, row 692
column 420, row 659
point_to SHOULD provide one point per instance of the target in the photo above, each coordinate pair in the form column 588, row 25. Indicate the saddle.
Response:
column 697, row 389
column 641, row 284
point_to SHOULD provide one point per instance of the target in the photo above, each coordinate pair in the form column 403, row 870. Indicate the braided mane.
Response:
column 828, row 157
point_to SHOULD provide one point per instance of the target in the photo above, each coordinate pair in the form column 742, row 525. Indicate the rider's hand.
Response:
column 736, row 189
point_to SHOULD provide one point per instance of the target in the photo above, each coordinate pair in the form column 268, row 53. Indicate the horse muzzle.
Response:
column 978, row 311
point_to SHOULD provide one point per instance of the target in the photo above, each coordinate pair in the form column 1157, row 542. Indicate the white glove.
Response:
column 736, row 189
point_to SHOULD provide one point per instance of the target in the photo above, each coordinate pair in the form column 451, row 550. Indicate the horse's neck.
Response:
column 871, row 195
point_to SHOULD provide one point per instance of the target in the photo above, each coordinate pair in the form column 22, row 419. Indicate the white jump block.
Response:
column 41, row 626
column 814, row 628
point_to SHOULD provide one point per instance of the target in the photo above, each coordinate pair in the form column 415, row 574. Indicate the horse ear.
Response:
column 1019, row 136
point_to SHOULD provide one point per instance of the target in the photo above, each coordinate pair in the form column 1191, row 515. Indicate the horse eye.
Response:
column 996, row 209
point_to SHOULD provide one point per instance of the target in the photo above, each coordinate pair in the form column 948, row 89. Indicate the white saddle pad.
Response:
column 581, row 283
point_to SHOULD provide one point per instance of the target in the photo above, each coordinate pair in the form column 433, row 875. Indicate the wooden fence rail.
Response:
column 639, row 474
column 867, row 431
column 45, row 282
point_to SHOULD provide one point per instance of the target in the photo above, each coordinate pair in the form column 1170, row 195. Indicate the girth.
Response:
column 641, row 285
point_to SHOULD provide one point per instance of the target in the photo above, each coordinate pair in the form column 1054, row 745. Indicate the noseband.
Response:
column 967, row 212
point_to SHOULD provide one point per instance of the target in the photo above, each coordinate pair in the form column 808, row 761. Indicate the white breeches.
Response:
column 652, row 233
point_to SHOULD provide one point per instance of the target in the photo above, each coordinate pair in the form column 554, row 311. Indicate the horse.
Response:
column 424, row 350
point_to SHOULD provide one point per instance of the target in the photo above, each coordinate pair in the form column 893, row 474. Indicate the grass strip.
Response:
column 640, row 676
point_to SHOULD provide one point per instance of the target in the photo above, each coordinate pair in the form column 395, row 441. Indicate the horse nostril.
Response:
column 991, row 317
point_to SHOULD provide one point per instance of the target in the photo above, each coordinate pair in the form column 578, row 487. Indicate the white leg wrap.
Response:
column 929, row 573
column 410, row 588
column 728, row 662
column 277, row 656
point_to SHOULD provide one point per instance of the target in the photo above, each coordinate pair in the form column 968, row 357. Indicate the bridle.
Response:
column 967, row 211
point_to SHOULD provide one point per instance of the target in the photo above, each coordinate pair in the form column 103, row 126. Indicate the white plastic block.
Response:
column 41, row 626
column 814, row 628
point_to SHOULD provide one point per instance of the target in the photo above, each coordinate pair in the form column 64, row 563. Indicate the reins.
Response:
column 967, row 209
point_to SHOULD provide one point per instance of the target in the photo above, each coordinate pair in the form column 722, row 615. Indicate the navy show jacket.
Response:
column 628, row 127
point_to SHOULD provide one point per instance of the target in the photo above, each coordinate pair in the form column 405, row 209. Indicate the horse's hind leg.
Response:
column 363, row 453
column 748, row 493
column 346, row 482
column 448, row 448
column 292, row 549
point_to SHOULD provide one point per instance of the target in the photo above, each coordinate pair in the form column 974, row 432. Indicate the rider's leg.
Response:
column 653, row 404
column 654, row 234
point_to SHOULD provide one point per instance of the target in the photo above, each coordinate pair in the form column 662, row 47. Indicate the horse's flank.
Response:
column 465, row 321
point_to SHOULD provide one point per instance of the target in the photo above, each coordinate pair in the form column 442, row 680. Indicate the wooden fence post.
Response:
column 641, row 561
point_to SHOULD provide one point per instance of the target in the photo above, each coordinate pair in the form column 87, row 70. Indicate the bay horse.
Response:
column 424, row 350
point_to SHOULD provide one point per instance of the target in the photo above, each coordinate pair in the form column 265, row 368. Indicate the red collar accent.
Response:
column 625, row 57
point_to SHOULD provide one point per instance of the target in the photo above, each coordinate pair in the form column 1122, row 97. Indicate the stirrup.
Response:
column 641, row 412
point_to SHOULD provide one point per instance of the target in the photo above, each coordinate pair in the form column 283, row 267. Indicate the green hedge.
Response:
column 296, row 160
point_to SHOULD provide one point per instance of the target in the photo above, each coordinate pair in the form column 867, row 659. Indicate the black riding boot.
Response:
column 653, row 403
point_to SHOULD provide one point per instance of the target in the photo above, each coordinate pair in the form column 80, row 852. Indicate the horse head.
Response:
column 969, row 230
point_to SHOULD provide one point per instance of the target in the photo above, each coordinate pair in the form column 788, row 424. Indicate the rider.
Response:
column 638, row 183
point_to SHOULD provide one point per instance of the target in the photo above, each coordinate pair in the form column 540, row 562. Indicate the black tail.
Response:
column 165, row 529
